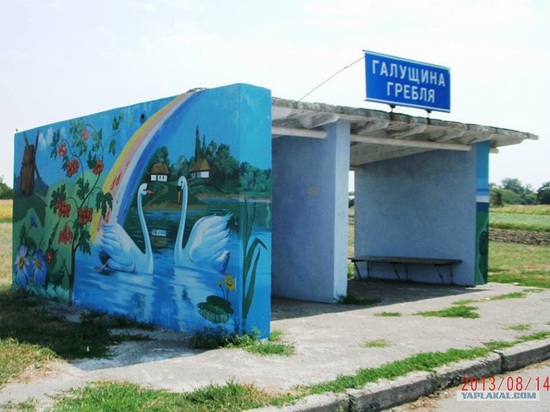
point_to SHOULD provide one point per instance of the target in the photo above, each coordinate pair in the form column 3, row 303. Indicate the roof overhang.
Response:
column 378, row 135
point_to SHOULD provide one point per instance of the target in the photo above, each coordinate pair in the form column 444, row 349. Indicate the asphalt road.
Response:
column 448, row 400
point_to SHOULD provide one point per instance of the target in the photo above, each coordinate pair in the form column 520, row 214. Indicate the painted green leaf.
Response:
column 112, row 146
column 103, row 201
column 84, row 242
column 83, row 188
column 251, row 287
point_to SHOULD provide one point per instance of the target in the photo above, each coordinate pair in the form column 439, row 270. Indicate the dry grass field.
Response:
column 5, row 241
column 6, row 210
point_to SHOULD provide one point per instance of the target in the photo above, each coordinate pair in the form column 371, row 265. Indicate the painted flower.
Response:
column 85, row 134
column 39, row 268
column 62, row 150
column 230, row 282
column 50, row 255
column 33, row 220
column 21, row 266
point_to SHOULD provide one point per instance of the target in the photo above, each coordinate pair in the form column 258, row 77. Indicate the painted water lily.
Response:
column 39, row 268
column 21, row 266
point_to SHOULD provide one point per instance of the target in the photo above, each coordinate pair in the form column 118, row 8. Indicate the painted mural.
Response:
column 159, row 211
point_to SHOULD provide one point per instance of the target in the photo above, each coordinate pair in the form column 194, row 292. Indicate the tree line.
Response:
column 512, row 191
column 225, row 171
column 6, row 192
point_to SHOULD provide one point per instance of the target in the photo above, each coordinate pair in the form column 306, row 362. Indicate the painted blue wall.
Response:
column 310, row 212
column 182, row 252
column 422, row 205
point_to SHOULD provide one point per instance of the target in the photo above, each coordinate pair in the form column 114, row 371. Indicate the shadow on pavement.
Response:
column 383, row 292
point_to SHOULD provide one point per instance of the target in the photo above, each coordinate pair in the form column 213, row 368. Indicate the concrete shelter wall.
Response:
column 422, row 205
column 310, row 211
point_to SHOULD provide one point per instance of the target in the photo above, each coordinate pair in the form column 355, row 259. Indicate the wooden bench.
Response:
column 401, row 261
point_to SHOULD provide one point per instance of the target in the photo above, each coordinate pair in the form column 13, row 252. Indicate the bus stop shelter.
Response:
column 421, row 192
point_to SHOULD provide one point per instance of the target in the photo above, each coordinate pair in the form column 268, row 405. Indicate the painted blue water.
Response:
column 170, row 296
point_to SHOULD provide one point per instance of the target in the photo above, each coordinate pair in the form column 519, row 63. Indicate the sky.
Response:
column 61, row 59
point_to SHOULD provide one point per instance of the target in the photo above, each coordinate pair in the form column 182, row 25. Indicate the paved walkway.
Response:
column 328, row 339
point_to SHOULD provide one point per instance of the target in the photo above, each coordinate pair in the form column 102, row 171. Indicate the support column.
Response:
column 310, row 215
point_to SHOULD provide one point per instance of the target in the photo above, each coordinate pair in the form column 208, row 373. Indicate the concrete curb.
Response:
column 524, row 354
column 451, row 375
column 326, row 402
column 387, row 394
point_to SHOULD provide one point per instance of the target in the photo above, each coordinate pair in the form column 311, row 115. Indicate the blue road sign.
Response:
column 402, row 82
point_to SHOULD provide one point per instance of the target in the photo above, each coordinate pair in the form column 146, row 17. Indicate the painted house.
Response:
column 421, row 192
column 200, row 169
column 159, row 172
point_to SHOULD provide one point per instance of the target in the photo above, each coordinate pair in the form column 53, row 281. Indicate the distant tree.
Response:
column 224, row 166
column 512, row 191
column 496, row 196
column 159, row 156
column 6, row 192
column 254, row 179
column 514, row 185
column 180, row 168
column 543, row 194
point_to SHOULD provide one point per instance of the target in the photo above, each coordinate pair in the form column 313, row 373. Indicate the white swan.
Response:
column 117, row 249
column 206, row 245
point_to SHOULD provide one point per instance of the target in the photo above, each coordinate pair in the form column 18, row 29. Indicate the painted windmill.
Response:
column 28, row 167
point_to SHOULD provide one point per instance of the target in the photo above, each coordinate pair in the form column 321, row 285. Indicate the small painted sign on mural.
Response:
column 402, row 82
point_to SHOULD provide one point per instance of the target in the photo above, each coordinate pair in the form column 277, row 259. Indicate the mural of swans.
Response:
column 206, row 245
column 117, row 250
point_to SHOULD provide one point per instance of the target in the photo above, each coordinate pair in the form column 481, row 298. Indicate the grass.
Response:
column 27, row 320
column 513, row 295
column 6, row 210
column 464, row 302
column 525, row 265
column 517, row 221
column 388, row 314
column 16, row 357
column 123, row 396
column 31, row 336
column 216, row 338
column 523, row 209
column 457, row 311
column 274, row 345
column 427, row 361
column 377, row 343
column 520, row 327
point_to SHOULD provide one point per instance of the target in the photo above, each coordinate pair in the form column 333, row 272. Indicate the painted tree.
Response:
column 73, row 201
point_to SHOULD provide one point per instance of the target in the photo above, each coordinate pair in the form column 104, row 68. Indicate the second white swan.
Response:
column 207, row 243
